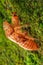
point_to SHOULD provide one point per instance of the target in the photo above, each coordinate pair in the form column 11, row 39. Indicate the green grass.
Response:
column 31, row 12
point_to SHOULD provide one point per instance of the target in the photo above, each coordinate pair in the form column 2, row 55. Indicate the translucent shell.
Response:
column 14, row 34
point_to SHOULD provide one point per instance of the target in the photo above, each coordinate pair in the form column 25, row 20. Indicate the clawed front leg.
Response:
column 15, row 20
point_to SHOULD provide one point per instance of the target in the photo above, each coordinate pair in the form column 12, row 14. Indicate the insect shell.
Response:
column 16, row 36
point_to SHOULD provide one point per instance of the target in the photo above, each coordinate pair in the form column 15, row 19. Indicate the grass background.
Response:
column 31, row 12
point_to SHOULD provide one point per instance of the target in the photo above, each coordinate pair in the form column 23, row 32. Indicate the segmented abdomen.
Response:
column 24, row 42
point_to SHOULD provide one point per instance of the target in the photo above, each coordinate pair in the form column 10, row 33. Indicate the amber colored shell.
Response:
column 15, row 35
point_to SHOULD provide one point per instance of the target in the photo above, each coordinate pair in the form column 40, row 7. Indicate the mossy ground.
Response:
column 31, row 12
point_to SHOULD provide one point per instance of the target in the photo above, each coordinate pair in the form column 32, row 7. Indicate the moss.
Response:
column 30, row 12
